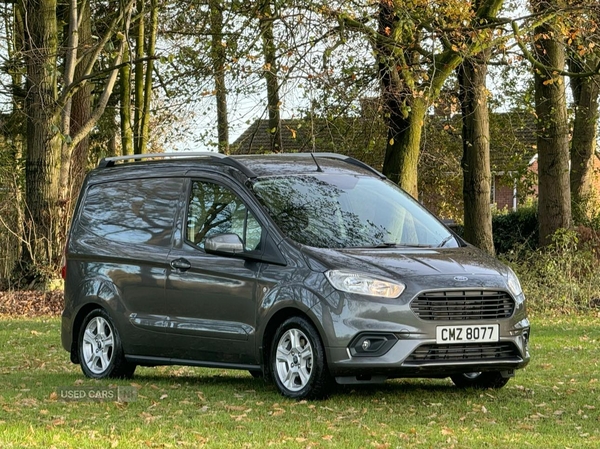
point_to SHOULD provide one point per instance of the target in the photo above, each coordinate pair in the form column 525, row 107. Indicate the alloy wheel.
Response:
column 98, row 345
column 294, row 359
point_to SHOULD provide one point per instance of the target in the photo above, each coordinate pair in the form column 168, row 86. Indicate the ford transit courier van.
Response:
column 308, row 269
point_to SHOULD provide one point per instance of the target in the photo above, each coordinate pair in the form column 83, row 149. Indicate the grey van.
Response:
column 306, row 269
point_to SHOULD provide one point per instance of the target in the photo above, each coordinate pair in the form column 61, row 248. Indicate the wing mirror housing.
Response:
column 224, row 244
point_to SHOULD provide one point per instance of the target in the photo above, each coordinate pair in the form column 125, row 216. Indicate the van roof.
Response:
column 256, row 165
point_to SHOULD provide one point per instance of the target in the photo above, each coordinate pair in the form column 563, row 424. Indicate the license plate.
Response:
column 467, row 334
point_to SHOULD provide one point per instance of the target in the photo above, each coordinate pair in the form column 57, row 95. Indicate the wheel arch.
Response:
column 77, row 322
column 95, row 292
column 273, row 323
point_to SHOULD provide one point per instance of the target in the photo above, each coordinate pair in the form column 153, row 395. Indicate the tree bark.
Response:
column 554, row 200
column 50, row 138
column 404, row 141
column 148, row 78
column 476, row 152
column 583, row 143
column 218, row 56
column 16, row 128
column 405, row 111
column 71, row 21
column 43, row 141
column 138, row 87
column 82, row 105
column 125, row 109
column 270, row 71
column 407, row 93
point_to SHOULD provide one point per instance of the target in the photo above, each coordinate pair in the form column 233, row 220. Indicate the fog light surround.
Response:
column 371, row 344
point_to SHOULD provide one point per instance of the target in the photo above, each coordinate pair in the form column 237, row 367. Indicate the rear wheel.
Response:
column 298, row 362
column 100, row 350
column 482, row 380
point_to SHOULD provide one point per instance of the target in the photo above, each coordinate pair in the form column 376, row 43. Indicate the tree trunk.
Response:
column 554, row 202
column 138, row 89
column 50, row 139
column 476, row 152
column 82, row 105
column 583, row 143
column 125, row 109
column 271, row 75
column 218, row 56
column 16, row 128
column 151, row 46
column 406, row 95
column 43, row 141
column 404, row 140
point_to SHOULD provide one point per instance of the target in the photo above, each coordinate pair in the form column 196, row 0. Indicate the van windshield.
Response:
column 349, row 211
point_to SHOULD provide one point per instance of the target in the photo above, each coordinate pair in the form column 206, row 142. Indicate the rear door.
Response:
column 212, row 299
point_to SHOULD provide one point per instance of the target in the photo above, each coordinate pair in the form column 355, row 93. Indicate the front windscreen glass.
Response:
column 345, row 211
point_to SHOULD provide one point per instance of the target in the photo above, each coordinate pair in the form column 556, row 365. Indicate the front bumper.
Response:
column 422, row 357
column 414, row 352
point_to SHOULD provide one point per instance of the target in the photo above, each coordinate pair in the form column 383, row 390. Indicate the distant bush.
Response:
column 563, row 277
column 516, row 230
column 560, row 278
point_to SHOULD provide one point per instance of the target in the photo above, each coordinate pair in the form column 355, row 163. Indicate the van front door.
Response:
column 211, row 298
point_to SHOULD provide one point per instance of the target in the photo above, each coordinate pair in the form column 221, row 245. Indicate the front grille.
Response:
column 464, row 352
column 463, row 305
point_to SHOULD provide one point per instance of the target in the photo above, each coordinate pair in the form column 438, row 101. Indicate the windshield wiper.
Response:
column 395, row 245
column 446, row 240
column 412, row 245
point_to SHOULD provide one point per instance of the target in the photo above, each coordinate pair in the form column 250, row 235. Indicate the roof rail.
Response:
column 222, row 158
column 347, row 159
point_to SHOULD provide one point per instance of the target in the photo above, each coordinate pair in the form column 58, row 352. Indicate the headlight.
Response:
column 363, row 284
column 513, row 283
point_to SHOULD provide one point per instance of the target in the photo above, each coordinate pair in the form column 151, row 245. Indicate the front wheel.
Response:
column 481, row 380
column 298, row 362
column 100, row 350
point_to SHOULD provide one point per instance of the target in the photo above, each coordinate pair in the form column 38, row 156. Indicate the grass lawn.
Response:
column 554, row 402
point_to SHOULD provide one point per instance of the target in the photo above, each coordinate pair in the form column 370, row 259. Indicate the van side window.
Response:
column 132, row 211
column 214, row 209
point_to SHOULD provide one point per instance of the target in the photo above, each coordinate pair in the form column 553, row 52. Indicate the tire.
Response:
column 491, row 379
column 298, row 364
column 100, row 350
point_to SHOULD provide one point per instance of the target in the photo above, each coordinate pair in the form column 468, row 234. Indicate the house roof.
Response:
column 296, row 136
column 354, row 136
column 512, row 138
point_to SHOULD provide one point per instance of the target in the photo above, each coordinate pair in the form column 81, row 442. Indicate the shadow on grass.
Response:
column 407, row 387
column 241, row 381
column 232, row 381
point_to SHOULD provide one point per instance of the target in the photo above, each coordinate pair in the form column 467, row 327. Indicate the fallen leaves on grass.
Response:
column 31, row 303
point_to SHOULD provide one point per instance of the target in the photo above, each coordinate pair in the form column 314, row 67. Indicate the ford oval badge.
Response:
column 461, row 278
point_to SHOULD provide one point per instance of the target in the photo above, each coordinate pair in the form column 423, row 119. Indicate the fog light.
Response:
column 371, row 344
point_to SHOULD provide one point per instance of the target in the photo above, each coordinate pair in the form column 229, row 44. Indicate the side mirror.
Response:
column 224, row 244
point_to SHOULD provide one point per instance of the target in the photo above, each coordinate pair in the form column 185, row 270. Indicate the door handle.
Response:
column 181, row 264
